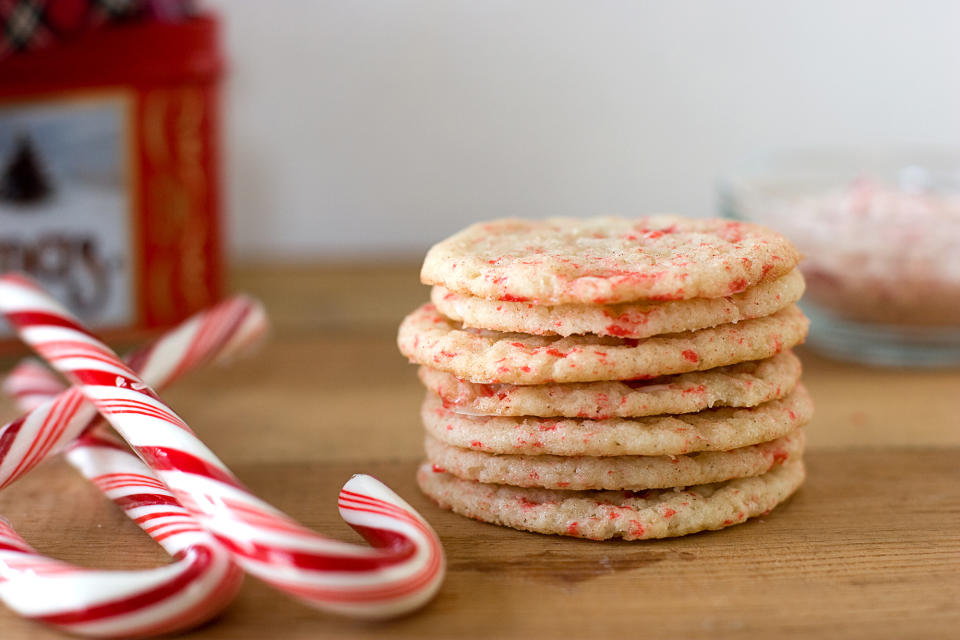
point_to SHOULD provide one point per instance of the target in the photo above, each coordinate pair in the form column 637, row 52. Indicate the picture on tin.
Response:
column 65, row 203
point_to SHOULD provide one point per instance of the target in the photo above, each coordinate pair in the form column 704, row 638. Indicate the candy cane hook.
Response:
column 203, row 578
column 200, row 582
column 403, row 570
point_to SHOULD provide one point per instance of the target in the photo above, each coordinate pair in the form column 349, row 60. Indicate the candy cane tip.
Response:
column 367, row 485
column 250, row 335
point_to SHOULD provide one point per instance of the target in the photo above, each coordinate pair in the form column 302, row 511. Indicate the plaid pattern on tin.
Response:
column 26, row 25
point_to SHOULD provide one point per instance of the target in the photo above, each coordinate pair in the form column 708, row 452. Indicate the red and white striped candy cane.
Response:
column 202, row 579
column 54, row 422
column 403, row 570
column 197, row 585
column 32, row 384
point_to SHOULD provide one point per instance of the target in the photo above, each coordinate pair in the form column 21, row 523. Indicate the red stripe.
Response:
column 163, row 459
column 178, row 521
column 63, row 350
column 98, row 378
column 396, row 517
column 126, row 484
column 367, row 499
column 116, row 410
column 366, row 594
column 9, row 435
column 236, row 311
column 383, row 538
column 413, row 522
column 264, row 519
column 140, row 409
column 160, row 537
column 138, row 477
column 14, row 546
column 26, row 463
column 348, row 501
column 27, row 319
column 390, row 591
column 58, row 427
column 129, row 481
column 194, row 353
column 318, row 561
column 144, row 487
column 203, row 558
column 217, row 328
column 377, row 506
column 135, row 500
column 218, row 598
column 134, row 403
column 161, row 514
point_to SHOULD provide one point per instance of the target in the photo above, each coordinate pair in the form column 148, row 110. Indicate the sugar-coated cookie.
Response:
column 709, row 430
column 607, row 260
column 746, row 384
column 629, row 320
column 428, row 337
column 601, row 515
column 614, row 472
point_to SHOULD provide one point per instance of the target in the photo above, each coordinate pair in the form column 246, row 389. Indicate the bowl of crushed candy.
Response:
column 880, row 234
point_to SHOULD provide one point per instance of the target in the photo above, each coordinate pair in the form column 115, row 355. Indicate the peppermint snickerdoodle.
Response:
column 709, row 430
column 629, row 320
column 607, row 260
column 615, row 472
column 746, row 384
column 600, row 515
column 427, row 337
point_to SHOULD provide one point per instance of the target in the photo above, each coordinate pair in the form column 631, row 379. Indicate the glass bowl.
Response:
column 880, row 234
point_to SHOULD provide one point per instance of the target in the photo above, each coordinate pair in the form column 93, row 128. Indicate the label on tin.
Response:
column 66, row 203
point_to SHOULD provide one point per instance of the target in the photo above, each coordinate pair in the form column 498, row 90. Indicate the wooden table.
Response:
column 868, row 548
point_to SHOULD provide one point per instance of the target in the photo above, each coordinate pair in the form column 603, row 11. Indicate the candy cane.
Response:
column 200, row 582
column 203, row 578
column 32, row 384
column 403, row 570
column 53, row 423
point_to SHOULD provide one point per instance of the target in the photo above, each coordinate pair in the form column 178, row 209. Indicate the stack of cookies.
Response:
column 608, row 378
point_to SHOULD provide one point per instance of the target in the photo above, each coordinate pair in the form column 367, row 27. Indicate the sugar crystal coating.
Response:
column 627, row 320
column 601, row 515
column 607, row 260
column 745, row 384
column 429, row 338
column 710, row 430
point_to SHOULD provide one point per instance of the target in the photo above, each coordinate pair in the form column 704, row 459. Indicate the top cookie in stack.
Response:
column 567, row 358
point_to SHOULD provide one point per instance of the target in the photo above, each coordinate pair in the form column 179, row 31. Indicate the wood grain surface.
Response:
column 868, row 548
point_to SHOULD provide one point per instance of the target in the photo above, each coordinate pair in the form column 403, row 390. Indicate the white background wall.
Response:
column 376, row 127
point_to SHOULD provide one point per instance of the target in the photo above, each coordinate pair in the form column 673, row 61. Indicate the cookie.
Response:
column 601, row 515
column 631, row 320
column 710, row 430
column 741, row 385
column 614, row 472
column 430, row 338
column 607, row 260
